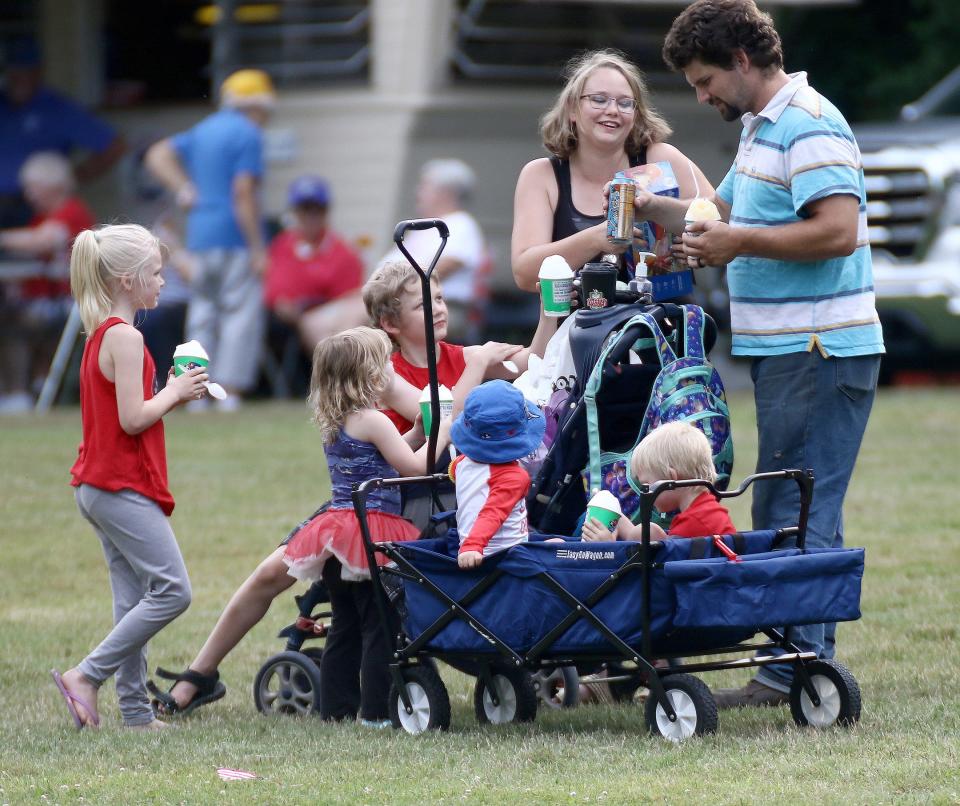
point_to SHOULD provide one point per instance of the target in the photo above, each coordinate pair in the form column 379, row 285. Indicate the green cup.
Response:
column 183, row 363
column 605, row 507
column 556, row 286
column 606, row 516
column 446, row 406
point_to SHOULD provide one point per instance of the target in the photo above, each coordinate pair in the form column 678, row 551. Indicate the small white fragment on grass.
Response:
column 228, row 774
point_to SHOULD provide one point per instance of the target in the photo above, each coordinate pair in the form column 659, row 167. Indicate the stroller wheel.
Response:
column 559, row 687
column 315, row 653
column 288, row 683
column 838, row 692
column 693, row 703
column 429, row 702
column 514, row 698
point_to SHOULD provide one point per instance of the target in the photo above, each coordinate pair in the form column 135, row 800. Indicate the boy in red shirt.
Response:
column 394, row 300
column 394, row 303
column 674, row 451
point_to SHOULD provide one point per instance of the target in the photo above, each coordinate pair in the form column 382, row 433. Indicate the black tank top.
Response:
column 567, row 219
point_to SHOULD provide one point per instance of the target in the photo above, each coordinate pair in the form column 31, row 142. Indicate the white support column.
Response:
column 410, row 43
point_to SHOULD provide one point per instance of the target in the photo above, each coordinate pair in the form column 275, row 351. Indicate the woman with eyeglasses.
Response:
column 602, row 122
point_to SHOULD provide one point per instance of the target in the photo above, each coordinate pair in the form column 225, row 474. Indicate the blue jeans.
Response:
column 811, row 413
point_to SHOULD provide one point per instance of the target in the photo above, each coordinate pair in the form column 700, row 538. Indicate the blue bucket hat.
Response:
column 309, row 190
column 497, row 424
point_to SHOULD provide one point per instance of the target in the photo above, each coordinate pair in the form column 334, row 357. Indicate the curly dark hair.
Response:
column 711, row 30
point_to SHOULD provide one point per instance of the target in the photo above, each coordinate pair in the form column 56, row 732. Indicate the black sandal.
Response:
column 209, row 689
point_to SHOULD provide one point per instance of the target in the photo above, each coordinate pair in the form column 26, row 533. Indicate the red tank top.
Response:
column 450, row 367
column 109, row 457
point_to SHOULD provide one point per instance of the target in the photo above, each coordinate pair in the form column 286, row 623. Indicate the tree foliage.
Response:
column 872, row 58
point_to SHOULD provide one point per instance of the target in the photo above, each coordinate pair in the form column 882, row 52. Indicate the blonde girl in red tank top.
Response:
column 120, row 474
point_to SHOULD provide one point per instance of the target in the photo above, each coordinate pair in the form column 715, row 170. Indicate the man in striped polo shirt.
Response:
column 794, row 239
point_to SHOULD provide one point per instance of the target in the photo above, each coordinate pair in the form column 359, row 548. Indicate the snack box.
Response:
column 658, row 178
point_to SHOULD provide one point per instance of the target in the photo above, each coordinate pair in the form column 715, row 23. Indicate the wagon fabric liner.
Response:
column 696, row 604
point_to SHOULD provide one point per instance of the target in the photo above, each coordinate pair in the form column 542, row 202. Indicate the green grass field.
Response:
column 242, row 481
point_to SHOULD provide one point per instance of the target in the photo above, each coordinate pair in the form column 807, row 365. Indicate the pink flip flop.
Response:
column 70, row 699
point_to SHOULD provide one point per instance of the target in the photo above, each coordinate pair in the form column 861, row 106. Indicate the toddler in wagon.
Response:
column 497, row 428
column 673, row 451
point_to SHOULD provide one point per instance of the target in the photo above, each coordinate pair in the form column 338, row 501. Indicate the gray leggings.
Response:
column 150, row 589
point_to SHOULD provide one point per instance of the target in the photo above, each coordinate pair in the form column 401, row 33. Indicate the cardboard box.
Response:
column 658, row 178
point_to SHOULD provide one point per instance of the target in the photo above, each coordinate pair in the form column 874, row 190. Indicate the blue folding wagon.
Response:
column 543, row 605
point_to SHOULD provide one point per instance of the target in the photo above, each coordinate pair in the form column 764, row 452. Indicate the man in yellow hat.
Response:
column 215, row 170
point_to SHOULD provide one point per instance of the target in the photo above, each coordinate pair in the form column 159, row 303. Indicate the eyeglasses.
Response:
column 600, row 101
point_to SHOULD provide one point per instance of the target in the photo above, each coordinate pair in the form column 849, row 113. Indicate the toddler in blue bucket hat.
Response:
column 496, row 428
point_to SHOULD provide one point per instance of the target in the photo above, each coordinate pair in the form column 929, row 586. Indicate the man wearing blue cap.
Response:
column 33, row 119
column 496, row 429
column 313, row 275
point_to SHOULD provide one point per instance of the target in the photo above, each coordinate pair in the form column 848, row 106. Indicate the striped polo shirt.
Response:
column 797, row 150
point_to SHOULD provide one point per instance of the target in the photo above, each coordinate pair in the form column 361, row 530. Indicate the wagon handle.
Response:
column 399, row 231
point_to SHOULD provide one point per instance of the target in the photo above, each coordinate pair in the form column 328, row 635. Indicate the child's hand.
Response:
column 418, row 433
column 495, row 352
column 596, row 532
column 469, row 559
column 189, row 385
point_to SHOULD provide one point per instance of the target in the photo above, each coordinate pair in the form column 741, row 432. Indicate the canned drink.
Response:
column 620, row 209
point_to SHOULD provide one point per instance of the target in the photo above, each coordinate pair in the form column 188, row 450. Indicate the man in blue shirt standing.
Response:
column 215, row 171
column 34, row 119
column 793, row 235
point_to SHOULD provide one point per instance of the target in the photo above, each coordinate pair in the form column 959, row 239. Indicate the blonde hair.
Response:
column 99, row 259
column 383, row 292
column 349, row 374
column 676, row 446
column 559, row 133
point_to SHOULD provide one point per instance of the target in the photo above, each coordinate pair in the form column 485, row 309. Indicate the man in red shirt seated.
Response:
column 313, row 276
column 33, row 310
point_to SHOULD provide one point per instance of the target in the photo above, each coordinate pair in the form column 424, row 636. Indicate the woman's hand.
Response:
column 469, row 559
column 189, row 385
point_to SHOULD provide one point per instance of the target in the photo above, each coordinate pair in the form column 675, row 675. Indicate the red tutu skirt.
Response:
column 336, row 533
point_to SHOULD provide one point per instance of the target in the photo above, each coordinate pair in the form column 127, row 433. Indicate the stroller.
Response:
column 616, row 364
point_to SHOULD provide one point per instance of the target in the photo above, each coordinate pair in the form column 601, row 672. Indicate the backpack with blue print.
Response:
column 689, row 388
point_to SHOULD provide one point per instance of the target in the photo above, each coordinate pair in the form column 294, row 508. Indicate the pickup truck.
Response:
column 912, row 170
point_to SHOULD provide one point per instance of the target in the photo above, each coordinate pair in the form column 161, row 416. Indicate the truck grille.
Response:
column 901, row 202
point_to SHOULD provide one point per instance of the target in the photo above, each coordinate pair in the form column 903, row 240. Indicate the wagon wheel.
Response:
column 514, row 698
column 288, row 683
column 429, row 702
column 838, row 691
column 559, row 687
column 693, row 703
